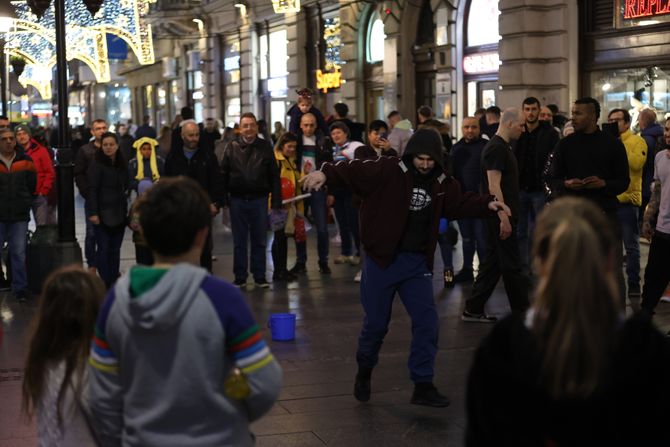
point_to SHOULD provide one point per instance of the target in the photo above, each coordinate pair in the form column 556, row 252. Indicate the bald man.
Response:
column 201, row 165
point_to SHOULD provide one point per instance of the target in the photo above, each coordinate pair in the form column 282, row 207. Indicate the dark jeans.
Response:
column 501, row 259
column 408, row 275
column 90, row 249
column 446, row 249
column 657, row 273
column 530, row 205
column 473, row 236
column 249, row 221
column 109, row 252
column 206, row 255
column 347, row 220
column 279, row 251
column 320, row 216
column 630, row 232
column 15, row 234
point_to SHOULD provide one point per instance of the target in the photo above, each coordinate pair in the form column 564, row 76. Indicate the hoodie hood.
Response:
column 160, row 306
column 403, row 125
column 424, row 141
column 655, row 130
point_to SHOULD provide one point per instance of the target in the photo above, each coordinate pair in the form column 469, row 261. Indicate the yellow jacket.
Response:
column 636, row 149
column 288, row 170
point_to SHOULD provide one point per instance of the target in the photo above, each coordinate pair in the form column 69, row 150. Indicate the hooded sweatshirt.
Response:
column 165, row 343
column 385, row 185
column 400, row 135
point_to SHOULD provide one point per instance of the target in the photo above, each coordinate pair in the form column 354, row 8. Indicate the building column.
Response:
column 352, row 92
column 535, row 49
column 248, row 70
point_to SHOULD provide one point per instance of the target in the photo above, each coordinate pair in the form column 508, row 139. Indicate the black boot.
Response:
column 426, row 394
column 362, row 386
column 299, row 268
column 465, row 275
column 324, row 269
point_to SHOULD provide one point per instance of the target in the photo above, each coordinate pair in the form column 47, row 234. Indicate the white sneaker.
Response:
column 357, row 278
column 342, row 259
column 665, row 299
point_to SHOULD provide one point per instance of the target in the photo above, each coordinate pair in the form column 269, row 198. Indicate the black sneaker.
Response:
column 478, row 318
column 298, row 268
column 464, row 275
column 427, row 394
column 634, row 291
column 284, row 276
column 324, row 269
column 362, row 387
column 240, row 283
column 262, row 283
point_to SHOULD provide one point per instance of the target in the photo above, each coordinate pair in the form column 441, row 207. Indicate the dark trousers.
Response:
column 347, row 220
column 409, row 276
column 206, row 255
column 473, row 235
column 109, row 242
column 502, row 259
column 249, row 222
column 630, row 233
column 279, row 251
column 90, row 249
column 530, row 206
column 143, row 255
column 320, row 216
column 657, row 273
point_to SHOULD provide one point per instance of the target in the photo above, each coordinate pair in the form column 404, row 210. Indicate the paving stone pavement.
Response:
column 316, row 406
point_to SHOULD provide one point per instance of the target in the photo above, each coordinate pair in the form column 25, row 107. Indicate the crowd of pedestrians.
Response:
column 540, row 201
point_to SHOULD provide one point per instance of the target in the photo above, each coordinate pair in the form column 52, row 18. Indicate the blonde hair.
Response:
column 576, row 310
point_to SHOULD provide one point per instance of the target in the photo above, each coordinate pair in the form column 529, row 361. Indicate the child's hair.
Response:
column 287, row 137
column 181, row 202
column 153, row 163
column 62, row 331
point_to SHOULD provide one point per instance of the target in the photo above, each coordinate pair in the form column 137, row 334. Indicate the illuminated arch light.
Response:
column 39, row 77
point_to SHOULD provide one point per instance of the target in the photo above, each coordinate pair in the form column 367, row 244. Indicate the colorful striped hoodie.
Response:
column 165, row 342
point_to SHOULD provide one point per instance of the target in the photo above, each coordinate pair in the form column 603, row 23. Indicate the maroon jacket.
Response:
column 385, row 187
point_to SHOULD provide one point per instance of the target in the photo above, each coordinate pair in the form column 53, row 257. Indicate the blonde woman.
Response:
column 572, row 370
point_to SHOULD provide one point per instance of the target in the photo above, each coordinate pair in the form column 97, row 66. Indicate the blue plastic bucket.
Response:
column 282, row 327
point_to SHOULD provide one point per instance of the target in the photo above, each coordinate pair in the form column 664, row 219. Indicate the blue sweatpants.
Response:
column 409, row 276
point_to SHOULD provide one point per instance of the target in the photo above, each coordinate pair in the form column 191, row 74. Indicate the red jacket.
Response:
column 385, row 187
column 44, row 166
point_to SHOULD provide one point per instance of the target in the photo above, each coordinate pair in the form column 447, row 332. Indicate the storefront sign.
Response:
column 481, row 63
column 642, row 12
column 326, row 81
column 634, row 9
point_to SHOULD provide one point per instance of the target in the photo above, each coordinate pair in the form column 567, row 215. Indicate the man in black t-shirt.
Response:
column 500, row 177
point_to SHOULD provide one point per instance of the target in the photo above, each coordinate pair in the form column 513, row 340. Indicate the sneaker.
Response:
column 342, row 259
column 362, row 386
column 240, row 283
column 298, row 268
column 634, row 291
column 465, row 275
column 427, row 394
column 324, row 269
column 478, row 318
column 665, row 299
column 262, row 283
column 449, row 279
column 354, row 260
column 357, row 278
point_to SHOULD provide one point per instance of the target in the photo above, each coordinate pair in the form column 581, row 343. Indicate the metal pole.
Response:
column 65, row 166
column 3, row 76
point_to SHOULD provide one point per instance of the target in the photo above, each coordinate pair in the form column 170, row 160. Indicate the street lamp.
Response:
column 7, row 17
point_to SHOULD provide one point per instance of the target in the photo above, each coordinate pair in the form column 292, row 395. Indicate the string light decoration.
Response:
column 34, row 38
column 333, row 40
column 285, row 6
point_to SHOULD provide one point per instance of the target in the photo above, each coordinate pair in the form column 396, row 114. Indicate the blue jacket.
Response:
column 651, row 136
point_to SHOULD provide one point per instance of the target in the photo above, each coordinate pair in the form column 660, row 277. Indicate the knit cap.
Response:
column 24, row 128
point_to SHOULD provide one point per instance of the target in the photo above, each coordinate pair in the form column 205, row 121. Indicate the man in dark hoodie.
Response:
column 416, row 192
column 652, row 132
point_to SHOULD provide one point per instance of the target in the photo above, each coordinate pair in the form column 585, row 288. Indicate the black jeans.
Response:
column 502, row 259
column 279, row 251
column 657, row 273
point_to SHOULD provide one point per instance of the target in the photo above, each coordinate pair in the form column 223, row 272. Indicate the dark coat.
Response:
column 17, row 186
column 84, row 158
column 250, row 170
column 108, row 184
column 203, row 167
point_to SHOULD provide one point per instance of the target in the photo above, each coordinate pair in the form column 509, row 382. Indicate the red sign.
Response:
column 634, row 9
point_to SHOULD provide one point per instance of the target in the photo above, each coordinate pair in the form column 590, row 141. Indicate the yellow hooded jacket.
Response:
column 636, row 150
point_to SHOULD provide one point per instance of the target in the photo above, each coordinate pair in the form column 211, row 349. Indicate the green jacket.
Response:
column 17, row 186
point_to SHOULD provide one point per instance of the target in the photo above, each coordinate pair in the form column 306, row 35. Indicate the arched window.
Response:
column 376, row 36
column 483, row 22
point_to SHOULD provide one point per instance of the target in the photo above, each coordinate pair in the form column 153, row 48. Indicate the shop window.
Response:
column 442, row 26
column 375, row 41
column 483, row 23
